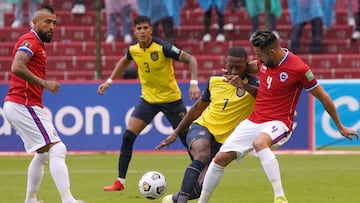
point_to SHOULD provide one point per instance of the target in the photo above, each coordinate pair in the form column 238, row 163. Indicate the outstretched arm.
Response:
column 329, row 106
column 120, row 66
column 193, row 113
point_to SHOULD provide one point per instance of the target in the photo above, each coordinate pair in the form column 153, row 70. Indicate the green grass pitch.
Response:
column 306, row 178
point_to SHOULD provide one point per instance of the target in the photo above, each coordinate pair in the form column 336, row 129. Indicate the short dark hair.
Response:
column 47, row 7
column 142, row 19
column 263, row 39
column 237, row 52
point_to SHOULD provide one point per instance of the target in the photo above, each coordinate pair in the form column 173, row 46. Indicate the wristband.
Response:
column 110, row 81
column 193, row 82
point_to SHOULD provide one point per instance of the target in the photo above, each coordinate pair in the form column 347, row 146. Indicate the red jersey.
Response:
column 280, row 88
column 21, row 91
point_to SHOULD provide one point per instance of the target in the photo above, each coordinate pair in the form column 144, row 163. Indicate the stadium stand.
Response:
column 72, row 54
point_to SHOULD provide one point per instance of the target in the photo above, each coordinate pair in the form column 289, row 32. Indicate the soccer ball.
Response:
column 152, row 185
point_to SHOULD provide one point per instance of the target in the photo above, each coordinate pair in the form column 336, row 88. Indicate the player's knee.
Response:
column 58, row 150
column 260, row 143
column 203, row 156
column 224, row 158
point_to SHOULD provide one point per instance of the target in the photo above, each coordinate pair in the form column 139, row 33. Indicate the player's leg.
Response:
column 142, row 115
column 38, row 133
column 59, row 172
column 35, row 175
column 236, row 146
column 199, row 141
column 267, row 138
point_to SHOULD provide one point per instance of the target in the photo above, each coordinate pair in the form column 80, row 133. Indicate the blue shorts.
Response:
column 197, row 131
column 173, row 111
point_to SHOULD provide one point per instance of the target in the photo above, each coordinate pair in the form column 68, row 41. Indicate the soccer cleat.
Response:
column 281, row 199
column 116, row 186
column 167, row 199
column 80, row 201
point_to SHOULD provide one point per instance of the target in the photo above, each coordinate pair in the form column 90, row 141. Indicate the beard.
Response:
column 45, row 36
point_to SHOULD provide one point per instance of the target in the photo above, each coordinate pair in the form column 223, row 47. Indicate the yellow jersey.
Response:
column 228, row 106
column 156, row 70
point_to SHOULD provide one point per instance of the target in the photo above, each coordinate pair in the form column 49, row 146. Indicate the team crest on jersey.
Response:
column 283, row 76
column 240, row 92
column 25, row 44
column 154, row 56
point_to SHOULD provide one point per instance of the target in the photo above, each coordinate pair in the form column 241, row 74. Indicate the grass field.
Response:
column 306, row 178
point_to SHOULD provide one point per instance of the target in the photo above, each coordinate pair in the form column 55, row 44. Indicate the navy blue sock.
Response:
column 126, row 152
column 190, row 180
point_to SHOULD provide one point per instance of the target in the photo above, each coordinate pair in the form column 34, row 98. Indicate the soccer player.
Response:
column 282, row 77
column 223, row 104
column 23, row 107
column 159, row 89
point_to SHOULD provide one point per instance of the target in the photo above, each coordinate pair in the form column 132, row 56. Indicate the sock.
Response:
column 35, row 175
column 211, row 180
column 122, row 181
column 59, row 172
column 272, row 170
column 191, row 176
column 126, row 153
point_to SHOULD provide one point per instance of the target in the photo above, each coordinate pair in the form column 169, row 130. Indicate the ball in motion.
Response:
column 152, row 185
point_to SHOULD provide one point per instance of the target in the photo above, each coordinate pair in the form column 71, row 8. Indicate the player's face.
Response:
column 45, row 26
column 266, row 56
column 143, row 32
column 236, row 66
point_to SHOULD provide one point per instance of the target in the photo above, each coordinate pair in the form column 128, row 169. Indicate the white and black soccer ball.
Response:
column 152, row 185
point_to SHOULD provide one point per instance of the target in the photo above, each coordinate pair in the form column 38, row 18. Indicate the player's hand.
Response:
column 51, row 86
column 194, row 92
column 349, row 133
column 234, row 80
column 102, row 87
column 165, row 143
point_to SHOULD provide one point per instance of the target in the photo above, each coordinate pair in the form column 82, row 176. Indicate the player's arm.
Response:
column 194, row 112
column 194, row 90
column 253, row 67
column 19, row 68
column 329, row 106
column 120, row 66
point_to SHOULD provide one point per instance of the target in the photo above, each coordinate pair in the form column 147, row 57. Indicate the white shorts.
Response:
column 32, row 124
column 241, row 139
